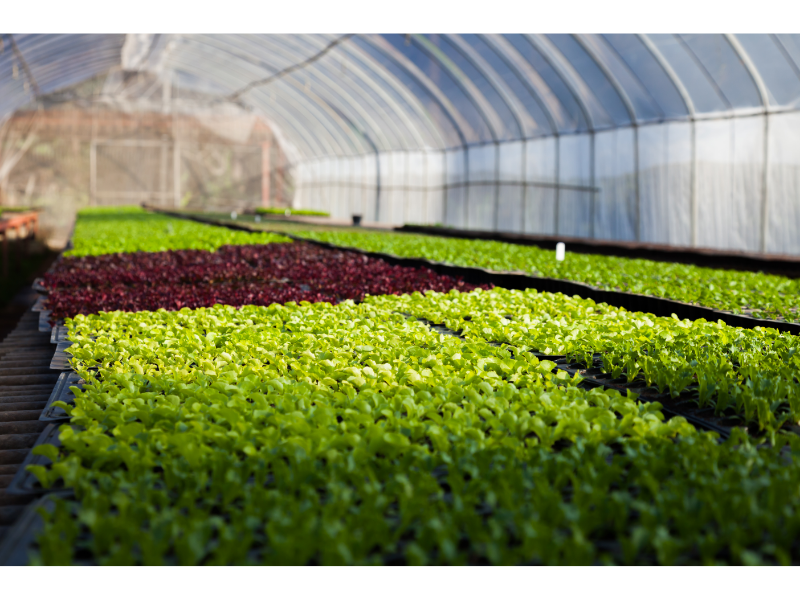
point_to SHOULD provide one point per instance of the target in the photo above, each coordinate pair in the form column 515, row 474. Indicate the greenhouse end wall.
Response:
column 696, row 183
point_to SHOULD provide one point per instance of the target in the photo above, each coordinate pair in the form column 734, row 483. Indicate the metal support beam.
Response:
column 762, row 91
column 687, row 100
column 266, row 148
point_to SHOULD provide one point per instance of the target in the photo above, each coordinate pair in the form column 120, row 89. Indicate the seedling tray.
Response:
column 22, row 535
column 39, row 305
column 25, row 483
column 444, row 330
column 44, row 321
column 38, row 286
column 60, row 360
column 63, row 393
column 59, row 334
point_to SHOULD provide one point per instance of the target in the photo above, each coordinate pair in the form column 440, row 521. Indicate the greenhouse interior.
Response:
column 401, row 299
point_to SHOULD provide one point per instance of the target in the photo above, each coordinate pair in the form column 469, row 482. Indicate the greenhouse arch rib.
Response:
column 452, row 114
column 467, row 86
column 285, row 71
column 437, row 95
column 526, row 76
column 332, row 123
column 634, row 123
column 31, row 79
column 551, row 56
column 480, row 103
column 762, row 91
column 687, row 99
column 368, row 110
column 414, row 106
column 516, row 110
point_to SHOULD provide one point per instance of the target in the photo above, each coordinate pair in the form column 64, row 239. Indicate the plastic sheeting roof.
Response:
column 342, row 95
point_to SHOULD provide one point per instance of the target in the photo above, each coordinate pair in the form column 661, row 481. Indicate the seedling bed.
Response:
column 233, row 275
column 109, row 230
column 660, row 307
column 21, row 539
column 506, row 421
column 344, row 334
column 684, row 406
column 703, row 257
column 477, row 276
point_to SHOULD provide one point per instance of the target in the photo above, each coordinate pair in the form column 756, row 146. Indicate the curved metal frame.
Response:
column 568, row 76
column 634, row 123
column 298, row 100
column 366, row 105
column 687, row 100
column 508, row 55
column 762, row 91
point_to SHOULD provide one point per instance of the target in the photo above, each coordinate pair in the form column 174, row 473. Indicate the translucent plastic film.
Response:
column 687, row 140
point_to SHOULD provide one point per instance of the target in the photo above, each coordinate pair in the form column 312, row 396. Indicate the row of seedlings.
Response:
column 731, row 293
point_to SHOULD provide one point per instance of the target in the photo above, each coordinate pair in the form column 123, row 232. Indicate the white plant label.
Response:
column 561, row 251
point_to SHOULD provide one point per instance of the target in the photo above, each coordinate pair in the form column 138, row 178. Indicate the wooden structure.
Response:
column 18, row 223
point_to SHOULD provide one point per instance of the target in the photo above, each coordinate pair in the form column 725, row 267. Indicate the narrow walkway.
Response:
column 25, row 385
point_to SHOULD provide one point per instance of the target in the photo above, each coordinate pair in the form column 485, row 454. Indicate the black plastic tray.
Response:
column 22, row 535
column 39, row 305
column 60, row 360
column 38, row 286
column 56, row 414
column 18, row 539
column 58, row 334
column 44, row 321
column 25, row 483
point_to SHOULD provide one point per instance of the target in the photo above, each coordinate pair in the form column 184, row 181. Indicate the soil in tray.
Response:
column 235, row 275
